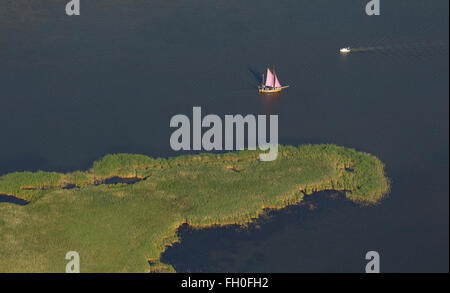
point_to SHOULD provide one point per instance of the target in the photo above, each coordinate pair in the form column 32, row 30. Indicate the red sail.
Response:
column 270, row 78
column 277, row 82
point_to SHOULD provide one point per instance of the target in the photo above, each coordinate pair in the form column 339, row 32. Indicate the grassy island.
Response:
column 121, row 227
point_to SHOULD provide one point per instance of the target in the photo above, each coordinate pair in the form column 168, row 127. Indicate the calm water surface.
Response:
column 76, row 88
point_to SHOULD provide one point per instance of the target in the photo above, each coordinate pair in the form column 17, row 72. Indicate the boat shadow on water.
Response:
column 257, row 77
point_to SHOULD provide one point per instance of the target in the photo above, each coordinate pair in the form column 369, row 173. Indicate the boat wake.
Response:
column 407, row 50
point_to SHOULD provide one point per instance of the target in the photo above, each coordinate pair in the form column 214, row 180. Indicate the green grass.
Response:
column 119, row 228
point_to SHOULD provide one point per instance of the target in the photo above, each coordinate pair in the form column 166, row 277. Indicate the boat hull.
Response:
column 271, row 90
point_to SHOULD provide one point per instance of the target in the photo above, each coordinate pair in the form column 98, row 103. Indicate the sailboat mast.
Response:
column 274, row 76
column 262, row 81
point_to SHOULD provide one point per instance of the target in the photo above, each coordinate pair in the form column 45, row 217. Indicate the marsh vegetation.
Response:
column 121, row 227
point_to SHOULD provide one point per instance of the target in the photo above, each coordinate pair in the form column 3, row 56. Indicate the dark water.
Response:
column 76, row 88
column 238, row 249
column 12, row 199
column 119, row 180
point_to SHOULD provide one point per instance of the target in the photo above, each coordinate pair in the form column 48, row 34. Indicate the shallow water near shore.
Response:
column 261, row 242
column 12, row 199
column 75, row 89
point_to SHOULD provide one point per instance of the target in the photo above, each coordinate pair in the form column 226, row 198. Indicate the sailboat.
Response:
column 271, row 84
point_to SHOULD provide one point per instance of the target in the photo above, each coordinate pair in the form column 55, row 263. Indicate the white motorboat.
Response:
column 345, row 50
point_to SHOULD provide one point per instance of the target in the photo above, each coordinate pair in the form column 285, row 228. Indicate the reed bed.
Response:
column 121, row 227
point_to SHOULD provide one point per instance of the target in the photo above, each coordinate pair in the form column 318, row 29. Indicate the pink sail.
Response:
column 277, row 82
column 269, row 78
